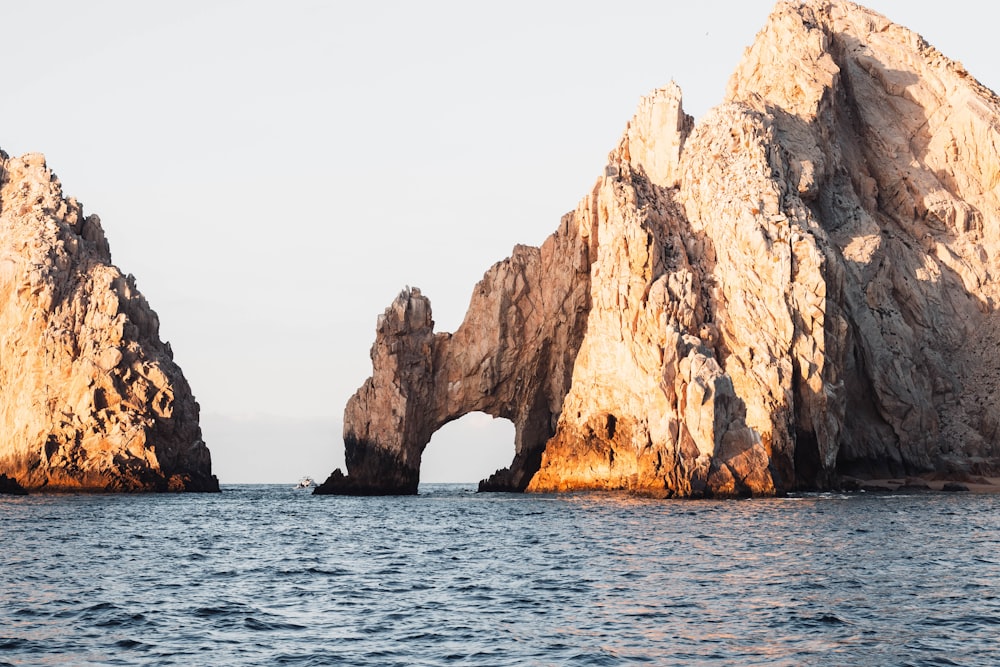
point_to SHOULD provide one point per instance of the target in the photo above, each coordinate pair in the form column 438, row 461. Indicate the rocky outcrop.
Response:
column 801, row 286
column 90, row 398
column 10, row 487
column 512, row 358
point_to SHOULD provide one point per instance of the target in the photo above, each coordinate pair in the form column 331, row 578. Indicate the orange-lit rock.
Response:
column 802, row 285
column 90, row 399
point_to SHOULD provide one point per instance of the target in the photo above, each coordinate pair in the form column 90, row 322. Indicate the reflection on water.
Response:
column 263, row 575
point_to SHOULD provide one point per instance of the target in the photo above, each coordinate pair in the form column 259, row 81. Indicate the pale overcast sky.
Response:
column 274, row 173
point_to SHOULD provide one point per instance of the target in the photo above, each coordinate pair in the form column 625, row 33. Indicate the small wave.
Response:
column 127, row 620
column 225, row 610
column 102, row 614
column 333, row 572
column 601, row 658
column 830, row 619
column 977, row 620
column 933, row 662
column 28, row 612
column 648, row 615
column 824, row 619
column 270, row 626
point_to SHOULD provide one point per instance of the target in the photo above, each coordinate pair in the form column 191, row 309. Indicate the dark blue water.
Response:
column 264, row 575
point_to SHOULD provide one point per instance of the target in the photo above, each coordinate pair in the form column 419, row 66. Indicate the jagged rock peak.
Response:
column 653, row 139
column 90, row 398
column 801, row 287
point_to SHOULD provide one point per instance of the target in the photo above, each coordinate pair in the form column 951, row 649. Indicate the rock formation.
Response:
column 10, row 487
column 90, row 399
column 801, row 286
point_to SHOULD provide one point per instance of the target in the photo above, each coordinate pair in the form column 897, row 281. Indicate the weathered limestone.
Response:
column 90, row 399
column 801, row 286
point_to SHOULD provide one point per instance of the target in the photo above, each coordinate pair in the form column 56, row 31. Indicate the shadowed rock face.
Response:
column 10, row 486
column 801, row 286
column 90, row 398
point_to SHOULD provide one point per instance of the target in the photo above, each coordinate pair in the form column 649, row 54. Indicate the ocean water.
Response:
column 265, row 575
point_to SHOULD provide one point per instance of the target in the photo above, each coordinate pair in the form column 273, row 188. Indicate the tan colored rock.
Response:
column 90, row 398
column 801, row 286
column 873, row 136
column 654, row 138
column 512, row 357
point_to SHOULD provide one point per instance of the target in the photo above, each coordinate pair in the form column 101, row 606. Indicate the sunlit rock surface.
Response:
column 802, row 285
column 90, row 398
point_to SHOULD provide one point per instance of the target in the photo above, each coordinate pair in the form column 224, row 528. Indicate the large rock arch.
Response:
column 802, row 286
column 512, row 357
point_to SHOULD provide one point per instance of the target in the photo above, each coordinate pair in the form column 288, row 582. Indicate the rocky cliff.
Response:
column 90, row 398
column 801, row 286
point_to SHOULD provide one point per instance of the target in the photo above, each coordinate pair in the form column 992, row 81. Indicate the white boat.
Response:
column 305, row 483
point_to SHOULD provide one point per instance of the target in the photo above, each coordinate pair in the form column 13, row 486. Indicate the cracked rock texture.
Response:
column 801, row 286
column 90, row 398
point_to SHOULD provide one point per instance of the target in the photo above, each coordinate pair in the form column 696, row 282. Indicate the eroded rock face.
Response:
column 801, row 286
column 512, row 357
column 90, row 398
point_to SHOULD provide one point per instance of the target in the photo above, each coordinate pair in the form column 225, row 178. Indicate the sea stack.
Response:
column 802, row 286
column 90, row 398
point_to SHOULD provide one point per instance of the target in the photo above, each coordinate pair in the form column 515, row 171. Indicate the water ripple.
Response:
column 266, row 576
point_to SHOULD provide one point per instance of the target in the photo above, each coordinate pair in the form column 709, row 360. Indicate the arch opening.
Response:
column 468, row 449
